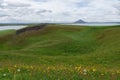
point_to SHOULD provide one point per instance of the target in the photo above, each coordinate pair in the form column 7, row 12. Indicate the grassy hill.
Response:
column 63, row 45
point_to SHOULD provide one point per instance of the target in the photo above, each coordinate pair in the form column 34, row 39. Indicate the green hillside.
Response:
column 63, row 45
column 6, row 32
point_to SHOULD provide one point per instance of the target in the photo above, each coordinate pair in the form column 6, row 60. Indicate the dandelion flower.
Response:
column 85, row 70
column 4, row 75
column 18, row 70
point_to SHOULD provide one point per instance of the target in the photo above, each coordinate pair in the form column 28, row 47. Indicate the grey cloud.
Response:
column 20, row 5
column 1, row 2
column 44, row 11
column 117, row 6
column 66, row 14
column 83, row 3
column 4, row 15
column 22, row 12
column 40, row 0
column 11, row 5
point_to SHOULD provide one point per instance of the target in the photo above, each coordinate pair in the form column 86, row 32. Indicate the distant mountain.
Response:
column 80, row 21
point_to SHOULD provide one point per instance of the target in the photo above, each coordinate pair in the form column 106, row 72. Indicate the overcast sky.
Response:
column 59, row 10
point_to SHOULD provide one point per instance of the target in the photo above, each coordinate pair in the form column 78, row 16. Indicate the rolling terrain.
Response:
column 62, row 45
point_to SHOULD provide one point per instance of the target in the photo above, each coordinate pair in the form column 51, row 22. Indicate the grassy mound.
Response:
column 100, row 43
column 63, row 45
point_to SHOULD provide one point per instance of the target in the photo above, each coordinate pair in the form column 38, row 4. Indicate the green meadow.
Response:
column 61, row 52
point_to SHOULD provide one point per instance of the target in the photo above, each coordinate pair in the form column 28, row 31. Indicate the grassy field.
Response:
column 6, row 32
column 61, row 52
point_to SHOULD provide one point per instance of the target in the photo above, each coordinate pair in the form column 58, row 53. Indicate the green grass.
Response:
column 5, row 32
column 65, row 45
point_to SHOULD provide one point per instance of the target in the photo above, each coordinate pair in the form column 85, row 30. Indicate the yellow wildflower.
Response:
column 118, row 71
column 93, row 69
column 102, row 74
column 15, row 65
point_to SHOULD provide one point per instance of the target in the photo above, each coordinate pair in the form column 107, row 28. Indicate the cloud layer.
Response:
column 59, row 10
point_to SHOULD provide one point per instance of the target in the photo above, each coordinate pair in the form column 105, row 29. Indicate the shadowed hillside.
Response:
column 35, row 27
